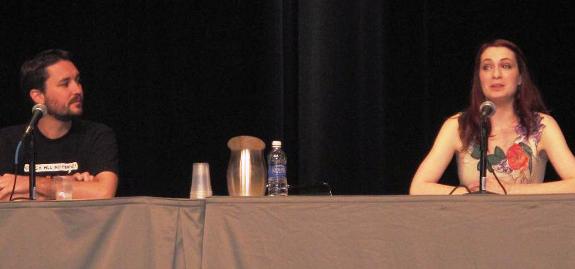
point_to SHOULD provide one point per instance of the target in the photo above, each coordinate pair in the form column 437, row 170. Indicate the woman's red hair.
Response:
column 527, row 98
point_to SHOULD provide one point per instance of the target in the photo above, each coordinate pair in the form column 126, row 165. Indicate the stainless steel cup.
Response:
column 246, row 175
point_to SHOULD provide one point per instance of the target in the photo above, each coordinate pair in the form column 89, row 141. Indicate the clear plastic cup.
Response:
column 63, row 187
column 201, row 187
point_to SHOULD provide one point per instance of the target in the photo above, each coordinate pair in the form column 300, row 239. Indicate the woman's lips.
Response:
column 497, row 86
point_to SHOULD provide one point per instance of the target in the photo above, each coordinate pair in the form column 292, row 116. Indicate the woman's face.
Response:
column 499, row 74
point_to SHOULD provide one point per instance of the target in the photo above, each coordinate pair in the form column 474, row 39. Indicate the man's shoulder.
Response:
column 13, row 130
column 91, row 126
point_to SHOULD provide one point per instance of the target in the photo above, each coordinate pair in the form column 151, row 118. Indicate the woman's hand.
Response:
column 492, row 186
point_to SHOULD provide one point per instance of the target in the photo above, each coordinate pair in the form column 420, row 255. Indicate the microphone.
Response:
column 487, row 109
column 38, row 111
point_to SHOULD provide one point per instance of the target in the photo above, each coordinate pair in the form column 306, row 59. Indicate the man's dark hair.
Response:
column 33, row 72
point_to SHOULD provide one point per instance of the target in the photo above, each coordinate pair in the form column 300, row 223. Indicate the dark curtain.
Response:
column 357, row 90
column 358, row 70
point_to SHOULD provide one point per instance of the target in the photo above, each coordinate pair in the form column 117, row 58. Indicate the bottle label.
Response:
column 277, row 171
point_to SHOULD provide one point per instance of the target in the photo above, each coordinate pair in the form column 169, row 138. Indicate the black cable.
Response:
column 499, row 181
column 496, row 178
column 13, row 186
column 455, row 188
column 15, row 172
column 12, row 198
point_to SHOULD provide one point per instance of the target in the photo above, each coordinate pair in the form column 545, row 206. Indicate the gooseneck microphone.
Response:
column 487, row 109
column 38, row 111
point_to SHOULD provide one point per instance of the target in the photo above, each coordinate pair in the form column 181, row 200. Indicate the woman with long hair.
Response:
column 522, row 137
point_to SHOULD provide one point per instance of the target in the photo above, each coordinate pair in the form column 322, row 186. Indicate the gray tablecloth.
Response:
column 294, row 232
column 118, row 233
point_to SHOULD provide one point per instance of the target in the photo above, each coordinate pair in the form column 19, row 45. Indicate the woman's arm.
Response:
column 431, row 169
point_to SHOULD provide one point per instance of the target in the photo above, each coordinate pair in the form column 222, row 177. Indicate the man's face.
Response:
column 63, row 94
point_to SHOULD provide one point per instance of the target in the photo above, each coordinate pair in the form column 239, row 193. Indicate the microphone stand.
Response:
column 32, row 177
column 483, row 159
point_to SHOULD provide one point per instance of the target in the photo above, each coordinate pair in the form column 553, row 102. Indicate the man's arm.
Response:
column 101, row 186
column 103, row 166
column 6, row 185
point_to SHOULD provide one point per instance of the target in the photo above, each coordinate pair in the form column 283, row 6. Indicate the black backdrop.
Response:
column 356, row 89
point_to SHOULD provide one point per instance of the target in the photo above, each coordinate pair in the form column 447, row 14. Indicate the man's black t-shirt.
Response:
column 87, row 147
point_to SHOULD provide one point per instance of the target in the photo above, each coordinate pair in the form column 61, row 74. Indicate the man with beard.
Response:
column 82, row 151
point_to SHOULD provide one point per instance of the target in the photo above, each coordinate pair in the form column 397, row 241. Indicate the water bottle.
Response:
column 277, row 167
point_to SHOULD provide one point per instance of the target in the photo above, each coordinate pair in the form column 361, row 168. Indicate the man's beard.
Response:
column 65, row 117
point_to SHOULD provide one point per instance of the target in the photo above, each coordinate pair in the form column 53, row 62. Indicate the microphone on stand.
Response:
column 38, row 111
column 487, row 109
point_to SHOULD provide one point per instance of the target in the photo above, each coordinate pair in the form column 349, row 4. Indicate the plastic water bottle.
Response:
column 277, row 167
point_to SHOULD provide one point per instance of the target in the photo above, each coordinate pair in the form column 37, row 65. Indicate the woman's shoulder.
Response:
column 450, row 127
column 456, row 116
column 450, row 131
column 543, row 118
column 545, row 123
column 453, row 120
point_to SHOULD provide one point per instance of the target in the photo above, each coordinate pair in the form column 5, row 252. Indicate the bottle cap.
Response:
column 276, row 143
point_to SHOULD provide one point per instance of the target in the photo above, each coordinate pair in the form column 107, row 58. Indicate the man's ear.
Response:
column 37, row 96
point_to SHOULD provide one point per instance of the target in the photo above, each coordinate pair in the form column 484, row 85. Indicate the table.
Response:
column 483, row 231
column 141, row 232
